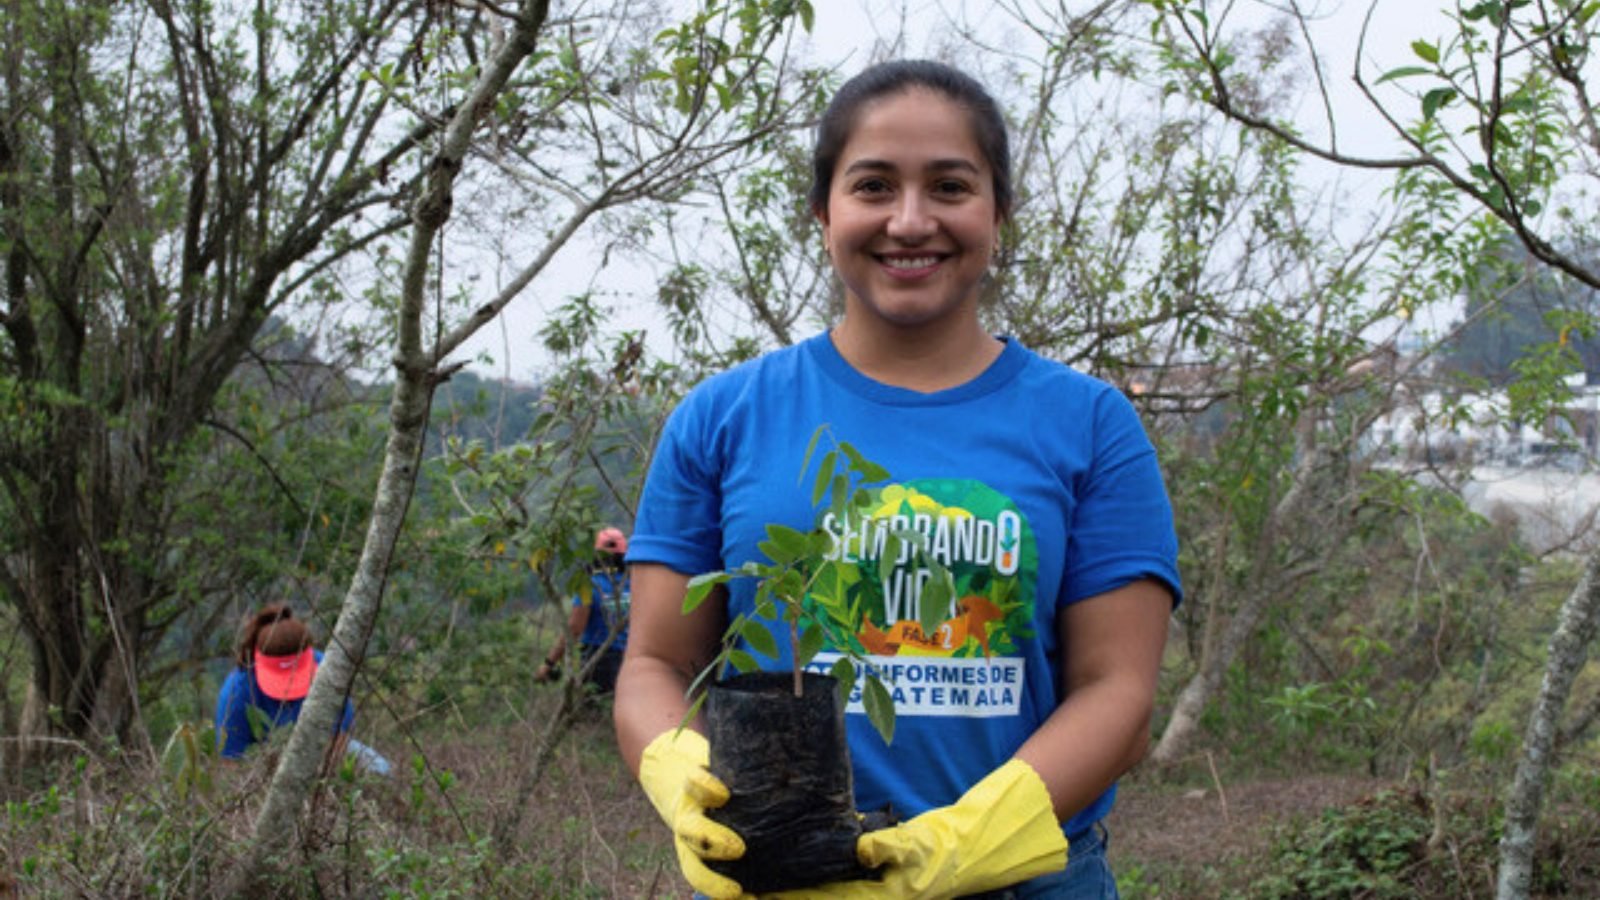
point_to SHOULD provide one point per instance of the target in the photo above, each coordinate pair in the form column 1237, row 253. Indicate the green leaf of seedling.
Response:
column 790, row 587
column 839, row 496
column 891, row 555
column 917, row 540
column 826, row 586
column 936, row 597
column 709, row 673
column 880, row 707
column 694, row 709
column 819, row 544
column 1425, row 50
column 766, row 607
column 786, row 541
column 853, row 455
column 811, row 447
column 700, row 587
column 824, row 476
column 743, row 661
column 758, row 636
column 844, row 672
column 868, row 470
column 873, row 473
column 811, row 641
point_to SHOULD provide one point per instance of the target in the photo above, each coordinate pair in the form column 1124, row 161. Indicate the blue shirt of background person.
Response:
column 599, row 621
column 273, row 669
column 608, row 603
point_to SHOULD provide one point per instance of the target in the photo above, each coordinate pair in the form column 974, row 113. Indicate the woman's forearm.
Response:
column 650, row 699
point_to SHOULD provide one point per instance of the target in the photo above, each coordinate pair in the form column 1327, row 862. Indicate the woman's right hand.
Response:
column 674, row 775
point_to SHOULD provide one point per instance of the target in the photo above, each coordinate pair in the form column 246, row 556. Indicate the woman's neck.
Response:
column 925, row 359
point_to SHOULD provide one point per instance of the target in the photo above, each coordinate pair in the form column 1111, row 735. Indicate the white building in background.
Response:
column 1479, row 429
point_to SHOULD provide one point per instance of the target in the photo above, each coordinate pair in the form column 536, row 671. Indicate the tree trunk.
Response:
column 1197, row 694
column 112, row 365
column 1569, row 650
column 1265, row 582
column 277, row 823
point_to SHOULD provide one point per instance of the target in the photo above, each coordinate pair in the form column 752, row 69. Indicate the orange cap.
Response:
column 611, row 540
column 286, row 677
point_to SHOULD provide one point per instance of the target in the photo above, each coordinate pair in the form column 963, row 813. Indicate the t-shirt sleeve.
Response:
column 1122, row 528
column 349, row 717
column 680, row 513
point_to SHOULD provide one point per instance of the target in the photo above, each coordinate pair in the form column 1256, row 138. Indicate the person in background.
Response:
column 599, row 622
column 273, row 668
column 911, row 186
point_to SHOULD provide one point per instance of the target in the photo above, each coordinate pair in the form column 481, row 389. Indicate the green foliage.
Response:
column 1493, row 741
column 800, row 588
column 1362, row 852
column 699, row 53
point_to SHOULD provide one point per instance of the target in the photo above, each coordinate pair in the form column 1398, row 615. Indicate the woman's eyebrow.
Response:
column 937, row 165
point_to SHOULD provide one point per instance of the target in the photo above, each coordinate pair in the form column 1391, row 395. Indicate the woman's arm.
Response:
column 577, row 621
column 1112, row 644
column 666, row 650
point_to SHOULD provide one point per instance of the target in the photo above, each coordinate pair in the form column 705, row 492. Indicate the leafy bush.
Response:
column 1366, row 851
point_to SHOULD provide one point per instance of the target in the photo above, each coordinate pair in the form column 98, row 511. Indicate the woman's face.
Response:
column 911, row 220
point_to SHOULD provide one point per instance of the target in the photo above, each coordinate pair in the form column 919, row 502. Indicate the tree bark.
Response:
column 1264, row 584
column 116, row 352
column 276, row 824
column 1575, row 631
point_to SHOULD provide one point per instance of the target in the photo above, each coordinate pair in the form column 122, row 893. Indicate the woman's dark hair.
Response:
column 897, row 77
column 274, row 631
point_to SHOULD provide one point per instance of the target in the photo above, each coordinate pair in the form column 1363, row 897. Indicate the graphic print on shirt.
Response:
column 970, row 665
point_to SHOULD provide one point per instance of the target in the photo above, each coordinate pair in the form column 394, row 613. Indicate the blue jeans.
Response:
column 1086, row 877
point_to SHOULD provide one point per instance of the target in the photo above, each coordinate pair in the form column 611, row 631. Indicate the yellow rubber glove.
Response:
column 673, row 773
column 1002, row 831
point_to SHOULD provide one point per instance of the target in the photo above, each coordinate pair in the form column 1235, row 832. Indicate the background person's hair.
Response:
column 274, row 631
column 896, row 77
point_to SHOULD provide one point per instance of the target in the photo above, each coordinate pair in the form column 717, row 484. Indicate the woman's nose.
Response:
column 911, row 219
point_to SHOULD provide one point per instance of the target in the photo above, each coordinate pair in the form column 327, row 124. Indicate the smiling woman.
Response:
column 1014, row 722
column 911, row 221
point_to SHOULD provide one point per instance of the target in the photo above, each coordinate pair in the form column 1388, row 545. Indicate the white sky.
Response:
column 846, row 33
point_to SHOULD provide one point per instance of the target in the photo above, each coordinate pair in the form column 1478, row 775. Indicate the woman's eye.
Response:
column 951, row 187
column 872, row 186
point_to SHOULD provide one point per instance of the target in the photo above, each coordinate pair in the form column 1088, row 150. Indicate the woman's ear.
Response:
column 821, row 214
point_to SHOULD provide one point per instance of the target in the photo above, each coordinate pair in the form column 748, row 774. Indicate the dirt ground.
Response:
column 1196, row 843
column 1154, row 822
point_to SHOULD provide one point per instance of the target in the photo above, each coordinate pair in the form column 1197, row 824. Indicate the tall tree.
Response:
column 1497, row 127
column 171, row 174
column 651, row 115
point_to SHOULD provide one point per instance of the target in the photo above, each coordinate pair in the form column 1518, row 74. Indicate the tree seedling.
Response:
column 805, row 587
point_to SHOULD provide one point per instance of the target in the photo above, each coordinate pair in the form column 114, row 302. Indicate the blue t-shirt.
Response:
column 609, row 599
column 1035, row 485
column 239, row 695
